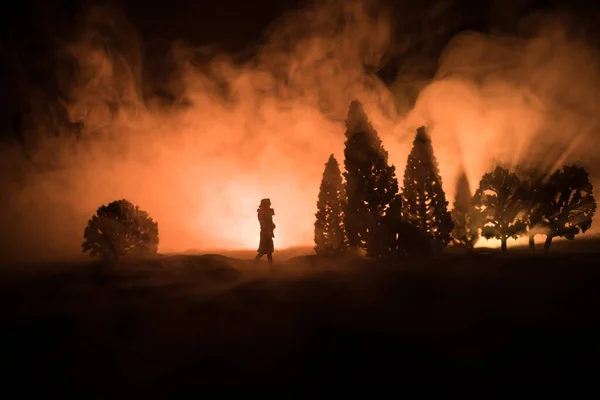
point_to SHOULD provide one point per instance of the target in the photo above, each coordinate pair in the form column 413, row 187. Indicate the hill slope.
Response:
column 211, row 322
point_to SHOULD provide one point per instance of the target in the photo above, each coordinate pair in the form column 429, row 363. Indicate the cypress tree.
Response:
column 423, row 198
column 465, row 216
column 371, row 183
column 330, row 235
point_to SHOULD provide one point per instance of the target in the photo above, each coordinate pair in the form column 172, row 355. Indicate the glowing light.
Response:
column 241, row 132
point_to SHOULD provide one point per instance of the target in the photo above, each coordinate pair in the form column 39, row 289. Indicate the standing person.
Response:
column 267, row 227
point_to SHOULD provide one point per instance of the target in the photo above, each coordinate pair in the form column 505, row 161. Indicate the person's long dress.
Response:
column 267, row 227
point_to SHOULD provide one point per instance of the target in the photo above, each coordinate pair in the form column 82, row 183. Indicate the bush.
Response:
column 118, row 229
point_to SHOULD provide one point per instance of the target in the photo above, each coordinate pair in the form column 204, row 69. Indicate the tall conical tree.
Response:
column 330, row 235
column 400, row 235
column 465, row 217
column 423, row 199
column 371, row 183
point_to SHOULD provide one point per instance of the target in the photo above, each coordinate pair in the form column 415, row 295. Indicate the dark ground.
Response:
column 466, row 325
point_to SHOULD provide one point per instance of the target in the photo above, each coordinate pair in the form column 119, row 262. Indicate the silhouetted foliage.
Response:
column 533, row 185
column 120, row 228
column 501, row 203
column 423, row 198
column 371, row 183
column 330, row 235
column 402, row 238
column 568, row 205
column 466, row 218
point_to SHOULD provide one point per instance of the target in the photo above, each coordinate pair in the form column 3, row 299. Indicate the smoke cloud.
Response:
column 234, row 129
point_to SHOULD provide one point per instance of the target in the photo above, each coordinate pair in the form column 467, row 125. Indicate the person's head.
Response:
column 265, row 203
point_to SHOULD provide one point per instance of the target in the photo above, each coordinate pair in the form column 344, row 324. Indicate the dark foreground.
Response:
column 460, row 324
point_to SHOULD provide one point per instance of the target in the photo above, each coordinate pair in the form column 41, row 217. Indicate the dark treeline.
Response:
column 364, row 208
column 370, row 212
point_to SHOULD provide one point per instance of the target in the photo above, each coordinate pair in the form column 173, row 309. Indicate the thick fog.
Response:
column 238, row 130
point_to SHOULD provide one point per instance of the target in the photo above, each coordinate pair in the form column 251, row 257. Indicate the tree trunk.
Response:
column 503, row 247
column 548, row 243
column 531, row 242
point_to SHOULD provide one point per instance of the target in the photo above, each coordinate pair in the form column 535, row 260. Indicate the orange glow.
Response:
column 201, row 167
column 520, row 242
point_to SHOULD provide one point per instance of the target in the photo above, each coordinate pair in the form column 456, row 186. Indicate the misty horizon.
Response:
column 231, row 130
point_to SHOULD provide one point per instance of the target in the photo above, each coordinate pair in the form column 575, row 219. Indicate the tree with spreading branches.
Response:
column 568, row 205
column 533, row 187
column 501, row 203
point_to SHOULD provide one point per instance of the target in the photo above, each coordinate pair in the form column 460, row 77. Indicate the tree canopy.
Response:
column 533, row 184
column 500, row 202
column 120, row 228
column 567, row 204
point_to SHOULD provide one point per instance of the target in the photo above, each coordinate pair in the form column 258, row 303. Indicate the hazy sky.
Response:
column 195, row 114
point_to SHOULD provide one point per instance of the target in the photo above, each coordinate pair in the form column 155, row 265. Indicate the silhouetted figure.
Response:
column 267, row 227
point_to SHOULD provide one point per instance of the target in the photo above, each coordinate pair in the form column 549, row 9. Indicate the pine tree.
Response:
column 423, row 199
column 371, row 183
column 401, row 236
column 330, row 235
column 465, row 217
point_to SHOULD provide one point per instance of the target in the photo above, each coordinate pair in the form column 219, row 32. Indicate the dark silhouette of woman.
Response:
column 267, row 227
